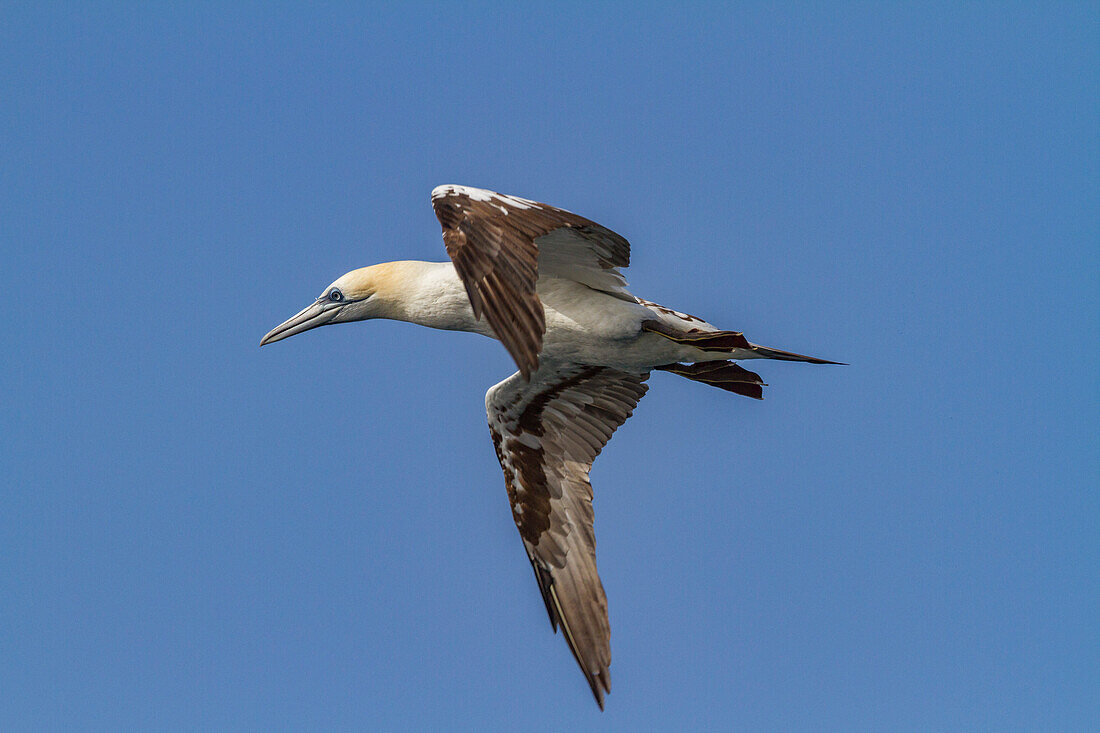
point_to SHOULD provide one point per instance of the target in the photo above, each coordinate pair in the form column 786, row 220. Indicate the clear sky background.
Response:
column 196, row 534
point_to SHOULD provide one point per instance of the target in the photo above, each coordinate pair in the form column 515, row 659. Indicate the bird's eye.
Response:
column 335, row 296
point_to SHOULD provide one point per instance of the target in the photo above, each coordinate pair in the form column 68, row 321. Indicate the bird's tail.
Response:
column 723, row 375
column 733, row 342
column 763, row 352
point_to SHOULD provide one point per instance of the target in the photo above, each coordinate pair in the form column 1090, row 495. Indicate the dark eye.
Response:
column 335, row 296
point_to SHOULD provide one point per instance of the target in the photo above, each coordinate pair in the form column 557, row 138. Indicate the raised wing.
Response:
column 547, row 432
column 501, row 245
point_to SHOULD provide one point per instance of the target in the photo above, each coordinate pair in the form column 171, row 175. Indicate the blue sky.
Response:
column 197, row 534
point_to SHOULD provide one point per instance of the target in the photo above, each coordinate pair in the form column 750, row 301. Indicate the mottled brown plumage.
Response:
column 501, row 245
column 547, row 432
column 546, row 283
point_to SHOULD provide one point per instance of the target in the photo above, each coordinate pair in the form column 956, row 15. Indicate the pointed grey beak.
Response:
column 312, row 316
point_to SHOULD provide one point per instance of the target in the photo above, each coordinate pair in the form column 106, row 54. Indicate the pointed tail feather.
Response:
column 766, row 353
column 728, row 341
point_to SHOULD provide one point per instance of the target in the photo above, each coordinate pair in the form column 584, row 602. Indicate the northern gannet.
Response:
column 545, row 282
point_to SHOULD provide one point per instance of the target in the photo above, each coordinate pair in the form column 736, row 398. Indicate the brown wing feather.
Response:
column 492, row 240
column 547, row 432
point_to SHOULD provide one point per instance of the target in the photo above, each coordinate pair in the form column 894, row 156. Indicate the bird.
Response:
column 547, row 284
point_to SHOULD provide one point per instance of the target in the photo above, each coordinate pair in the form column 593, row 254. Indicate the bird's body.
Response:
column 545, row 282
column 583, row 325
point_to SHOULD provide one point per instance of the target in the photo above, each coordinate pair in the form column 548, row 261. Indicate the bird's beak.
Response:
column 312, row 316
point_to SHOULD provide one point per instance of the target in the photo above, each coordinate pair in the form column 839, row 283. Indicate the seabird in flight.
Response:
column 546, row 283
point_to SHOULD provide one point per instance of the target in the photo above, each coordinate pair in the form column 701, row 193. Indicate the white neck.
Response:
column 429, row 294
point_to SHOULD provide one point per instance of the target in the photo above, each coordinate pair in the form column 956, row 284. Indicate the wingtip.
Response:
column 601, row 685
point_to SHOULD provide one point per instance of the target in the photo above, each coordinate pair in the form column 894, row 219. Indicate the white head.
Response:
column 369, row 292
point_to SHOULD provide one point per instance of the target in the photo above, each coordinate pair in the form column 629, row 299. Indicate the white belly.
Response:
column 591, row 327
column 583, row 325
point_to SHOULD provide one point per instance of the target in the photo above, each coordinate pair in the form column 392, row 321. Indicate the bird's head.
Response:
column 355, row 296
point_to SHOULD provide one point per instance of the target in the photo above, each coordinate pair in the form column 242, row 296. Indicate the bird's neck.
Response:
column 429, row 294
